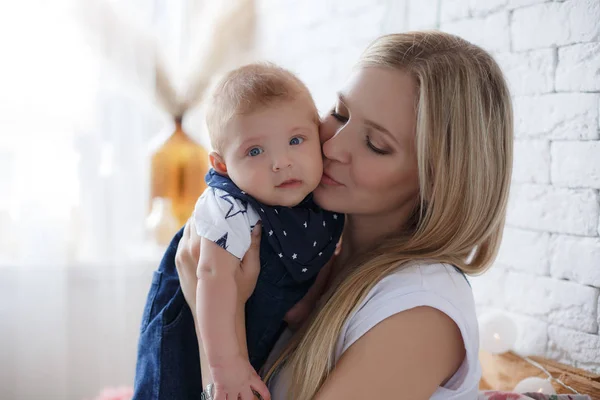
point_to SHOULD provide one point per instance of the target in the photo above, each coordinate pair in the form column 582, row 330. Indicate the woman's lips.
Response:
column 290, row 183
column 328, row 180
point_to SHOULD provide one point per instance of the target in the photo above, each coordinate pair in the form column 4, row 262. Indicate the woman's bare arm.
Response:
column 405, row 356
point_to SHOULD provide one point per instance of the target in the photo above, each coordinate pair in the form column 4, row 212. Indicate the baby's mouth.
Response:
column 290, row 183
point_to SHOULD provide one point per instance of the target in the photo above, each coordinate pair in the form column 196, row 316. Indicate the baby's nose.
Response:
column 282, row 162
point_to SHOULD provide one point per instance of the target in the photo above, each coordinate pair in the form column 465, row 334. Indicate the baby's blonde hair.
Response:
column 464, row 136
column 248, row 89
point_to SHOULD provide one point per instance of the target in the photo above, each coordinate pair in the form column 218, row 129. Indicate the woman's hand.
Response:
column 250, row 266
column 186, row 261
column 300, row 312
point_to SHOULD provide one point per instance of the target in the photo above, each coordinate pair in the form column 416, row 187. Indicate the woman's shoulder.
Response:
column 435, row 279
column 436, row 285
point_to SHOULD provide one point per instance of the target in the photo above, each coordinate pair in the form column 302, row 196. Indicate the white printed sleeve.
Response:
column 225, row 220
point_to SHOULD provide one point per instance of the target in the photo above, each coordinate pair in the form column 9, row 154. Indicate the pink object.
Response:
column 119, row 393
column 495, row 395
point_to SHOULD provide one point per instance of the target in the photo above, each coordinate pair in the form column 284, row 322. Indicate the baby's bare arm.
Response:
column 217, row 303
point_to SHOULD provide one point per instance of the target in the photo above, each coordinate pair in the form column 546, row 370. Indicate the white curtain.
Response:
column 74, row 139
column 79, row 119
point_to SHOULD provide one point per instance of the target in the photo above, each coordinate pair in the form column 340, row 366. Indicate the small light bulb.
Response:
column 534, row 385
column 497, row 333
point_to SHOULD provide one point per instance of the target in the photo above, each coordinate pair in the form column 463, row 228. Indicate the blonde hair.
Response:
column 248, row 89
column 464, row 139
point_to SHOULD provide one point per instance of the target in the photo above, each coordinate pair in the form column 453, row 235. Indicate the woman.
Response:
column 418, row 154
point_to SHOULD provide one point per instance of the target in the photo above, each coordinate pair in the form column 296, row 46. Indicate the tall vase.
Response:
column 177, row 172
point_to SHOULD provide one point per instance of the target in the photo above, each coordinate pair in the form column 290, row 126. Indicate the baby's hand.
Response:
column 236, row 379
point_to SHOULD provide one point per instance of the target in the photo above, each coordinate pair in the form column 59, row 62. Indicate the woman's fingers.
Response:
column 259, row 389
column 338, row 247
column 251, row 260
column 193, row 241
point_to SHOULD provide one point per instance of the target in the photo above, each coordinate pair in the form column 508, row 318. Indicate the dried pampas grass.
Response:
column 222, row 38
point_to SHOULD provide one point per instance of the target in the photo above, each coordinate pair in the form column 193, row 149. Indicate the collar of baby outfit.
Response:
column 303, row 237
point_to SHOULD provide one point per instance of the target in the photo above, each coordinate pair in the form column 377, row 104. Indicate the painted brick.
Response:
column 490, row 32
column 576, row 164
column 532, row 336
column 531, row 161
column 545, row 208
column 573, row 347
column 569, row 116
column 576, row 259
column 489, row 289
column 522, row 3
column 578, row 68
column 529, row 72
column 483, row 7
column 555, row 24
column 396, row 16
column 562, row 303
column 422, row 14
column 453, row 9
column 525, row 251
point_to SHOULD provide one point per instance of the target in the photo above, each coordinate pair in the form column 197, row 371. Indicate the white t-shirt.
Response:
column 225, row 220
column 435, row 285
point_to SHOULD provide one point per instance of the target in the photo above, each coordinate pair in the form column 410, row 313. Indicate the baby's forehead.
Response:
column 269, row 123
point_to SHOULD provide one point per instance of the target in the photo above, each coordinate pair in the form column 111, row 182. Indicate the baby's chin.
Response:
column 286, row 199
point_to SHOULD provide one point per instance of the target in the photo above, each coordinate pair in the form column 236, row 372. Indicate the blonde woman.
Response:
column 417, row 154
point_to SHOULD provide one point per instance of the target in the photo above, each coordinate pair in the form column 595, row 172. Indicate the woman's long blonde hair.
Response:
column 464, row 141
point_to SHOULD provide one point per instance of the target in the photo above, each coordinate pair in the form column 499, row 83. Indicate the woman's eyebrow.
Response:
column 380, row 128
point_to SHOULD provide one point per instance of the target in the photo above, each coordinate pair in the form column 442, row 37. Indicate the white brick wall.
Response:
column 547, row 275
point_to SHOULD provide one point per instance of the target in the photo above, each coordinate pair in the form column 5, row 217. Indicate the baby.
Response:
column 264, row 129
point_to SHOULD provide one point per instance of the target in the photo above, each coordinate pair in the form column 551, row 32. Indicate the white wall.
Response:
column 548, row 274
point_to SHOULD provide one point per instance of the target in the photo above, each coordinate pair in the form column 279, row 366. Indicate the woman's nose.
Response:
column 337, row 146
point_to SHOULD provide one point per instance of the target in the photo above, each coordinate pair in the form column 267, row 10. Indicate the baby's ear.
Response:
column 216, row 161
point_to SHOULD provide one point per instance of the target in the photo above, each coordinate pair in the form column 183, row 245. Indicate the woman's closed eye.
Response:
column 374, row 148
column 335, row 113
column 341, row 118
column 255, row 151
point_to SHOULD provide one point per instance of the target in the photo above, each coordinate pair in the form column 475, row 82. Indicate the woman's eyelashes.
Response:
column 374, row 148
column 343, row 119
column 336, row 113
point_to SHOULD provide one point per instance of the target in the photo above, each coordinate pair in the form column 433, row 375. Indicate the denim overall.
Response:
column 168, row 361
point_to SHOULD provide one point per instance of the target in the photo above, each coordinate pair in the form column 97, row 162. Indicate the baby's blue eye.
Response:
column 255, row 151
column 296, row 140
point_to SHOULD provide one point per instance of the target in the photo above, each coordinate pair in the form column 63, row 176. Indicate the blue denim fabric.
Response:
column 168, row 364
column 275, row 293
